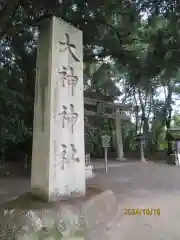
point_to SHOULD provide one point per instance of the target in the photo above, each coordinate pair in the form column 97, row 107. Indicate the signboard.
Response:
column 105, row 141
column 140, row 139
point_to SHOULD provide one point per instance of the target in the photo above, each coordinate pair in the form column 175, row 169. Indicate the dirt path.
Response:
column 137, row 186
column 144, row 186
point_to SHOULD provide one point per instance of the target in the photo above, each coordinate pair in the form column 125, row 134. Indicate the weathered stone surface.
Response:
column 89, row 171
column 28, row 218
column 58, row 159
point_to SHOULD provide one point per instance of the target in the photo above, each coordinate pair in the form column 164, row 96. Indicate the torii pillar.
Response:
column 119, row 141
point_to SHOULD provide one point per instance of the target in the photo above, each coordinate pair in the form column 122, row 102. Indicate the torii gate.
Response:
column 117, row 115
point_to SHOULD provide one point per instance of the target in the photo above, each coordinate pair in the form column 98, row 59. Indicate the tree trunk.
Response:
column 168, row 125
column 169, row 116
column 145, row 121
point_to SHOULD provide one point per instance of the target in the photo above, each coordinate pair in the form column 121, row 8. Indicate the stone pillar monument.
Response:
column 58, row 160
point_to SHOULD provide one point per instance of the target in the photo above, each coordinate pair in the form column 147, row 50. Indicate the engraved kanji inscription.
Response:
column 74, row 154
column 65, row 116
column 62, row 157
column 67, row 75
column 69, row 46
column 72, row 80
column 73, row 116
column 63, row 75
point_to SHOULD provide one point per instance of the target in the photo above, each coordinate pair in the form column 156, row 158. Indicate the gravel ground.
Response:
column 137, row 186
column 146, row 186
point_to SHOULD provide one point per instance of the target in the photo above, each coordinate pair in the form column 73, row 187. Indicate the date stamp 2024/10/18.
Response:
column 142, row 212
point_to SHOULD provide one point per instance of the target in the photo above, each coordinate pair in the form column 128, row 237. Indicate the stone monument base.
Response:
column 173, row 159
column 89, row 171
column 28, row 218
column 144, row 160
column 121, row 159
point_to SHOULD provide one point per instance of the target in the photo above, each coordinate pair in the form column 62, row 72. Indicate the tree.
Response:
column 140, row 39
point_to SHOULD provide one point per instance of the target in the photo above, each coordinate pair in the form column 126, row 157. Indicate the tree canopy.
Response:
column 131, row 54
